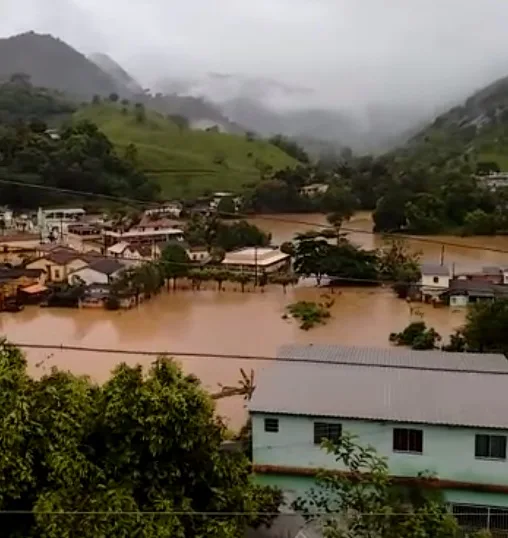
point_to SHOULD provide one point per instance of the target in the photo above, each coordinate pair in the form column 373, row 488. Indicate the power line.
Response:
column 226, row 356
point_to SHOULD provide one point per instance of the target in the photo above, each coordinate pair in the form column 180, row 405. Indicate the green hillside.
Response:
column 186, row 163
column 475, row 131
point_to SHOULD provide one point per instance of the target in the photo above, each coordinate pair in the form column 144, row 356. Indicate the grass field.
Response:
column 183, row 161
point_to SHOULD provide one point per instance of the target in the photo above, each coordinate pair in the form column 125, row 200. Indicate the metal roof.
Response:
column 395, row 357
column 383, row 394
column 434, row 269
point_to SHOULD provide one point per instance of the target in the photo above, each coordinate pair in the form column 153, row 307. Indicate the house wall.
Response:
column 10, row 287
column 448, row 452
column 89, row 276
column 55, row 272
column 459, row 300
column 429, row 280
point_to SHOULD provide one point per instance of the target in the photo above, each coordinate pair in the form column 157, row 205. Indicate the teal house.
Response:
column 425, row 411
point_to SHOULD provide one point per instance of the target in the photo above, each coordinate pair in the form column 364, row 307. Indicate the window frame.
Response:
column 408, row 433
column 489, row 437
column 274, row 428
column 326, row 426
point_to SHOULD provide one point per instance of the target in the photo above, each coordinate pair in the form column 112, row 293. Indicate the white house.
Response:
column 434, row 280
column 54, row 222
column 128, row 251
column 169, row 209
column 314, row 189
column 261, row 259
column 101, row 271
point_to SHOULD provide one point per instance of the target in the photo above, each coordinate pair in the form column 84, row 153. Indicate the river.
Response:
column 232, row 322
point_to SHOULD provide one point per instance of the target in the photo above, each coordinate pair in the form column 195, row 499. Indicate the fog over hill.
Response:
column 360, row 73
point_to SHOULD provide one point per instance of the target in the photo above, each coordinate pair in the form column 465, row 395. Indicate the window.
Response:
column 326, row 430
column 405, row 440
column 490, row 446
column 56, row 274
column 436, row 280
column 271, row 425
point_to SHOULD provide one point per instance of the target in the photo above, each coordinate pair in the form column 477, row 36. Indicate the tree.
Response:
column 243, row 279
column 340, row 204
column 360, row 503
column 288, row 248
column 140, row 112
column 174, row 262
column 113, row 97
column 290, row 147
column 226, row 206
column 485, row 327
column 417, row 336
column 96, row 99
column 138, row 448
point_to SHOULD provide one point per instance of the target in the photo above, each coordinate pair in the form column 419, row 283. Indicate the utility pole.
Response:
column 255, row 266
column 442, row 254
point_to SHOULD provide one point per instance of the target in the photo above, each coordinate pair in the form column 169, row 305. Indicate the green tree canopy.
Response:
column 138, row 456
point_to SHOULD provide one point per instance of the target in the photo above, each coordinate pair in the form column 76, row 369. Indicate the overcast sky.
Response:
column 350, row 51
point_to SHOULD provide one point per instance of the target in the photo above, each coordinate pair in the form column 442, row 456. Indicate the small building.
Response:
column 168, row 209
column 314, row 189
column 6, row 218
column 424, row 411
column 53, row 222
column 127, row 251
column 153, row 223
column 465, row 291
column 142, row 237
column 58, row 263
column 260, row 259
column 434, row 280
column 16, row 279
column 95, row 296
column 99, row 271
column 217, row 197
column 84, row 230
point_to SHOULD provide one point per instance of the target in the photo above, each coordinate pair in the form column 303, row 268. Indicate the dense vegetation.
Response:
column 81, row 158
column 320, row 254
column 138, row 443
column 184, row 162
column 20, row 101
column 483, row 332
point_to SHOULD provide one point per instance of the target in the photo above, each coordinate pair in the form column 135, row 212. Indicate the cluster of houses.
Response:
column 439, row 285
column 427, row 412
column 93, row 253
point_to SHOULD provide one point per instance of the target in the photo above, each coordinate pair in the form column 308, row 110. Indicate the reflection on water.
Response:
column 232, row 322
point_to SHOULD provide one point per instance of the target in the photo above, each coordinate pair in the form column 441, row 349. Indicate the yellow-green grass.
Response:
column 182, row 161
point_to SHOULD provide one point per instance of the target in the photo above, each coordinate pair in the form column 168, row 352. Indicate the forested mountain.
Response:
column 476, row 130
column 53, row 64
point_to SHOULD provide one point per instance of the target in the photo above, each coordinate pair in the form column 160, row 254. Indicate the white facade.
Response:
column 263, row 259
column 172, row 209
column 54, row 222
column 88, row 275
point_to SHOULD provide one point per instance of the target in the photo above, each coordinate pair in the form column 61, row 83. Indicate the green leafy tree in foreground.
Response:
column 362, row 501
column 123, row 459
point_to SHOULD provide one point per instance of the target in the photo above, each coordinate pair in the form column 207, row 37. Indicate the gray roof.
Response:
column 107, row 266
column 383, row 393
column 434, row 269
column 395, row 357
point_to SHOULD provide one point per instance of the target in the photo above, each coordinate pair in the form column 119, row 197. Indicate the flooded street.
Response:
column 232, row 322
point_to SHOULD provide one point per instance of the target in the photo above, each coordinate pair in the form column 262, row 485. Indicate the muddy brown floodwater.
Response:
column 232, row 322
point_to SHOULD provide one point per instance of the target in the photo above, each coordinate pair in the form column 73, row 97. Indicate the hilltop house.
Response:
column 422, row 410
column 434, row 280
column 58, row 263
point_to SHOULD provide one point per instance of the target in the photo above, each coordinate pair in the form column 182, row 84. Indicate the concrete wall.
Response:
column 442, row 281
column 448, row 452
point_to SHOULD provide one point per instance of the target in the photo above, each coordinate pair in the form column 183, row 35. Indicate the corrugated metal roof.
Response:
column 395, row 357
column 434, row 269
column 380, row 393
